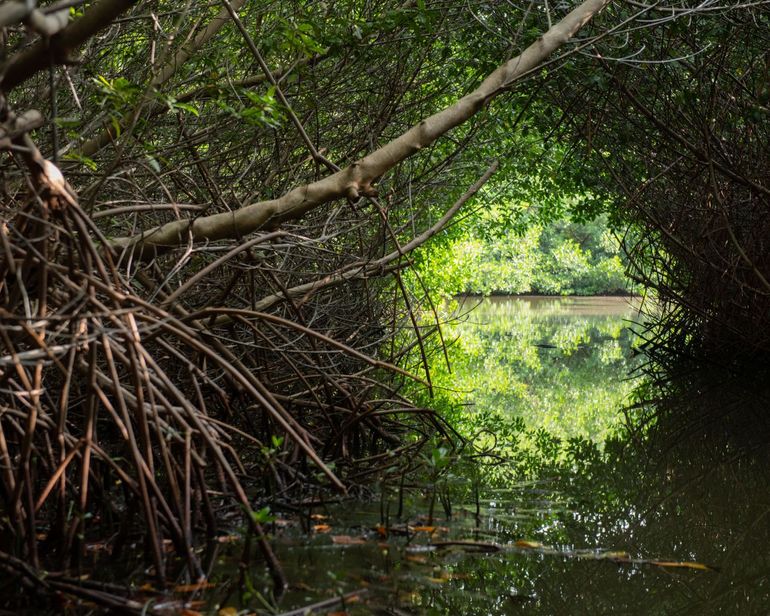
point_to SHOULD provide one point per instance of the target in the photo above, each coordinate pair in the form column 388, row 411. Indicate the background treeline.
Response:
column 557, row 258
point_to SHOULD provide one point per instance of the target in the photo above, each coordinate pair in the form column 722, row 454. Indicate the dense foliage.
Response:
column 557, row 258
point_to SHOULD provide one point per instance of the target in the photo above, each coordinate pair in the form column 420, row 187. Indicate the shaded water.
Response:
column 557, row 508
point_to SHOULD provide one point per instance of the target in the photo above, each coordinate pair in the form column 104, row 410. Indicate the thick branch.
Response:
column 357, row 270
column 357, row 179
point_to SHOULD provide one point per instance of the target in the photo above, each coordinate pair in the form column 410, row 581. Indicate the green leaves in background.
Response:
column 563, row 258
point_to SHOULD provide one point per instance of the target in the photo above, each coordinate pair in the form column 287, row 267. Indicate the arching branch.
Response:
column 358, row 178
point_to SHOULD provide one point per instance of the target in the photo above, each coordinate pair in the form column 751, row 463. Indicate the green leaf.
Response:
column 154, row 164
column 186, row 107
column 263, row 516
column 90, row 163
column 115, row 125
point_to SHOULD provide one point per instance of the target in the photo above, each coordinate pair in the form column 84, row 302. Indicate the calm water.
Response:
column 559, row 364
column 556, row 506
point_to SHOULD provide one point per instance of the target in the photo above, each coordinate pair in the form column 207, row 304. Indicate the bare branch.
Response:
column 59, row 48
column 358, row 178
column 186, row 52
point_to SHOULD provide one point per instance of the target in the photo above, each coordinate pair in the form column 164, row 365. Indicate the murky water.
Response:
column 555, row 507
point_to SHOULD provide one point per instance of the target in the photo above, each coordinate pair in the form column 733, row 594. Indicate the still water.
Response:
column 575, row 495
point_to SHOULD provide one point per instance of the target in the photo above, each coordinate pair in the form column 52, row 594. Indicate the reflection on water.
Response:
column 601, row 306
column 557, row 525
column 560, row 364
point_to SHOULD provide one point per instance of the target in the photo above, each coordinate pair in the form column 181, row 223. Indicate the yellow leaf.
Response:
column 193, row 587
column 347, row 540
column 429, row 529
column 227, row 611
column 531, row 545
column 682, row 565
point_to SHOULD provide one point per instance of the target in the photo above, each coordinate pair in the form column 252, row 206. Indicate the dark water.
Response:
column 562, row 504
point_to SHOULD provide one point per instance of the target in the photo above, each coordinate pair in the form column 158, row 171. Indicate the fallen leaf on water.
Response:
column 347, row 540
column 531, row 545
column 322, row 528
column 681, row 565
column 281, row 523
column 429, row 529
column 416, row 559
column 227, row 611
column 193, row 587
column 318, row 516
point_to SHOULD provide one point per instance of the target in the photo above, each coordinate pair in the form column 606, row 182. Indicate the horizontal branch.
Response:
column 377, row 267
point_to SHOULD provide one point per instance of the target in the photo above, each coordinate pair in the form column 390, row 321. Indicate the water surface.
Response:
column 561, row 503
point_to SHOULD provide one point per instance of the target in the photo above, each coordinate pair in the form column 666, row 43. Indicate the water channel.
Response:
column 561, row 504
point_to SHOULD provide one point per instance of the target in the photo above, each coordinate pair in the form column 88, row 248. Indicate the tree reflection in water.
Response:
column 682, row 476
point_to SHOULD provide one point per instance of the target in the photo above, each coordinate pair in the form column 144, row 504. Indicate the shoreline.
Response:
column 544, row 296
